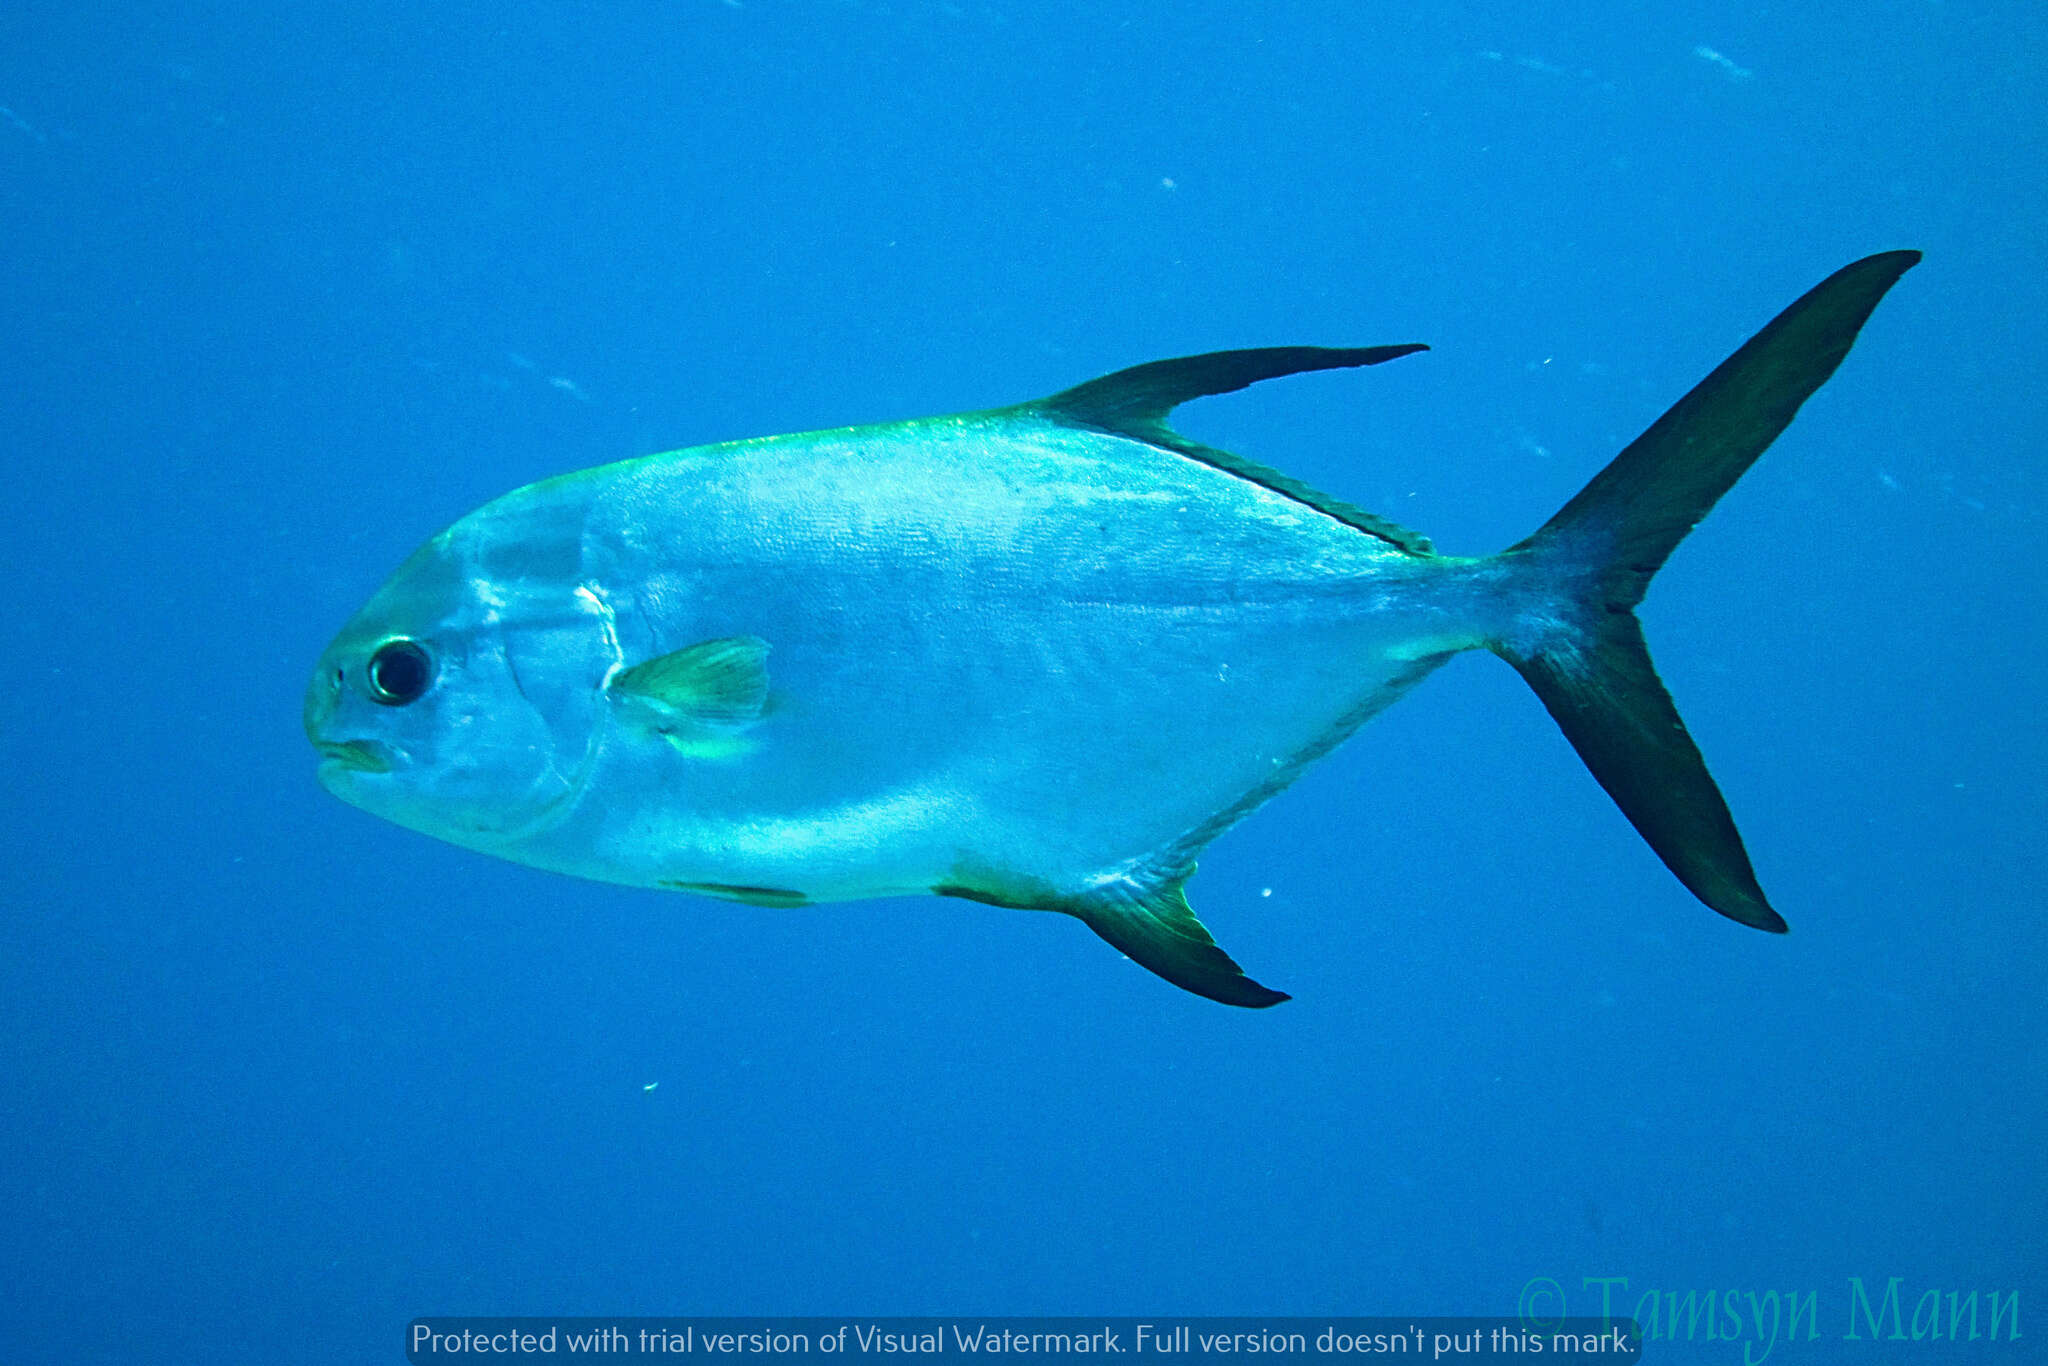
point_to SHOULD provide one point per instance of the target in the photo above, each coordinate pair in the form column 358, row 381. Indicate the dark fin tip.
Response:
column 774, row 897
column 1618, row 715
column 1585, row 656
column 1652, row 495
column 1155, row 929
column 1139, row 398
column 985, row 898
column 1151, row 926
column 1135, row 403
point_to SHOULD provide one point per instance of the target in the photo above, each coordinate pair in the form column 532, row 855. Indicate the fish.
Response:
column 1036, row 656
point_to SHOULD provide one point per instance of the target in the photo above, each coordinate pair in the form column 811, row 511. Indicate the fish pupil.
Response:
column 399, row 672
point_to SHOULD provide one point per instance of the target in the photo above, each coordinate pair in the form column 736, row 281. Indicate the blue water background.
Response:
column 287, row 288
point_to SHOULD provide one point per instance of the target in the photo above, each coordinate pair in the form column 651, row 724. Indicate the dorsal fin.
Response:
column 1136, row 402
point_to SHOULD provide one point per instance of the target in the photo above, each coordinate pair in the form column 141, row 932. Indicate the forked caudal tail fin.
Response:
column 1584, row 655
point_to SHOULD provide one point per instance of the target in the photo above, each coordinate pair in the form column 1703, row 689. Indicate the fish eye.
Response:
column 399, row 672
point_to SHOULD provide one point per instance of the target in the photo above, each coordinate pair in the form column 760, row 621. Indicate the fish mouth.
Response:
column 364, row 756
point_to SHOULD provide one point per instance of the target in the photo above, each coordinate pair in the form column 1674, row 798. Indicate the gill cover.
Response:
column 474, row 678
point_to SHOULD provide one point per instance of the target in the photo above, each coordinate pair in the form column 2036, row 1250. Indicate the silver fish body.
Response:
column 1036, row 656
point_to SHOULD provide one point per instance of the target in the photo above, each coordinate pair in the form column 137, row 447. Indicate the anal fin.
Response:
column 1144, row 917
column 1155, row 929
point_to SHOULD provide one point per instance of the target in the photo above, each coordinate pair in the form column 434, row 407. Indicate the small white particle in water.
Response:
column 1265, row 891
column 1727, row 64
column 650, row 1086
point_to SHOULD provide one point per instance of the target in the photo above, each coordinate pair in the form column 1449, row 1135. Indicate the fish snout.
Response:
column 323, row 696
column 323, row 699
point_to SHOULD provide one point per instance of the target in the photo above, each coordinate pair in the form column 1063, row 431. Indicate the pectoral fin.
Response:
column 698, row 698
